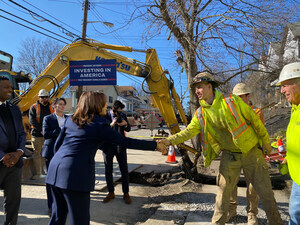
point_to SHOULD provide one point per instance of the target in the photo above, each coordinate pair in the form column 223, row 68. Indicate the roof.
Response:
column 294, row 28
column 126, row 90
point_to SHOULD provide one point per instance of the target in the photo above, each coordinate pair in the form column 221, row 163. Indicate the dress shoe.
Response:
column 49, row 212
column 37, row 177
column 109, row 196
column 127, row 198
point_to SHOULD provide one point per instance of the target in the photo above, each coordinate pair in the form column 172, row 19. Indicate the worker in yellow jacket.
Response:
column 228, row 125
column 243, row 91
column 289, row 80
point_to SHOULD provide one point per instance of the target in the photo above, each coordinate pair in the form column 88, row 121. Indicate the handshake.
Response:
column 162, row 146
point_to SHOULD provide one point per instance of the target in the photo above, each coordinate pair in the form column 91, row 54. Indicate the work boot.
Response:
column 252, row 220
column 230, row 215
column 127, row 198
column 109, row 196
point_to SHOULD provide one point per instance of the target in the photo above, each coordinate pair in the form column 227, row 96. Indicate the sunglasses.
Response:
column 44, row 97
column 201, row 79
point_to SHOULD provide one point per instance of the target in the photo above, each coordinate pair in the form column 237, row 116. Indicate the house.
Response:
column 126, row 94
column 131, row 99
column 279, row 54
column 110, row 91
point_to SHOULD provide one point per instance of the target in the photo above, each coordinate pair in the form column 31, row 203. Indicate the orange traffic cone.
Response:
column 280, row 145
column 171, row 155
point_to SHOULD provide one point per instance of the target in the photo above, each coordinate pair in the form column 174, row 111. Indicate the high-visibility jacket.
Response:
column 259, row 113
column 222, row 130
column 293, row 144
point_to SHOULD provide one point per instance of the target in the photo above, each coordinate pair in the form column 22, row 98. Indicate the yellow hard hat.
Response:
column 204, row 77
column 289, row 71
column 43, row 93
column 241, row 89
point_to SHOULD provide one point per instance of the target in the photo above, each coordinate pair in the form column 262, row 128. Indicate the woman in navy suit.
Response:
column 52, row 125
column 71, row 171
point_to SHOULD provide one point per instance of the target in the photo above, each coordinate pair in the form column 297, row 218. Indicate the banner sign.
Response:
column 93, row 72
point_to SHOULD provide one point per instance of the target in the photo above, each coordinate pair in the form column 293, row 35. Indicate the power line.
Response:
column 42, row 17
column 33, row 29
column 51, row 16
column 35, row 25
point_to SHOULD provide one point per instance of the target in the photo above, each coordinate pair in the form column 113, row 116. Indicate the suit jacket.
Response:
column 120, row 129
column 20, row 133
column 51, row 131
column 73, row 165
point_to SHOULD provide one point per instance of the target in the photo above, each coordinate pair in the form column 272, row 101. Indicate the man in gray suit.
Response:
column 12, row 146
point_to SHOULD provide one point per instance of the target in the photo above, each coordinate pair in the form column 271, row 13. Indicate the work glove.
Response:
column 162, row 148
column 165, row 142
column 267, row 148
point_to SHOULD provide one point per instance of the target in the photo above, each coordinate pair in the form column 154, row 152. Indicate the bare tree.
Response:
column 226, row 37
column 35, row 54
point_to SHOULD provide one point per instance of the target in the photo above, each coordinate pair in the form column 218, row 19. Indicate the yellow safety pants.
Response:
column 256, row 170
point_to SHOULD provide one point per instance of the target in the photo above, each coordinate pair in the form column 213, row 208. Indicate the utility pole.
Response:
column 86, row 6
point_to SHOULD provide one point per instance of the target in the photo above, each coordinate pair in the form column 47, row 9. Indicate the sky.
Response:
column 68, row 14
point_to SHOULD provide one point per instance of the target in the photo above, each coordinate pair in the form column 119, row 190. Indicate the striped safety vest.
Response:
column 242, row 126
column 37, row 108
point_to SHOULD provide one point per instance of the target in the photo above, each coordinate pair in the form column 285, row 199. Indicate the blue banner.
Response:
column 93, row 72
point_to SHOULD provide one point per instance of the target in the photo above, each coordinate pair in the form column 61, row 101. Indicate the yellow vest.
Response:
column 293, row 144
column 222, row 130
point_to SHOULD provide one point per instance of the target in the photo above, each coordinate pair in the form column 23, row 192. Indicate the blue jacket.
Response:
column 73, row 165
column 20, row 133
column 51, row 131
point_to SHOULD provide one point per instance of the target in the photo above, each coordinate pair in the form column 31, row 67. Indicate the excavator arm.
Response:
column 55, row 80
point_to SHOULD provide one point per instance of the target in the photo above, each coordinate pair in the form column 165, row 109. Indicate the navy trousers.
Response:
column 48, row 190
column 76, row 203
column 121, row 156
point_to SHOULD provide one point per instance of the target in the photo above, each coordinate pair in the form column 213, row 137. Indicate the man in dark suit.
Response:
column 52, row 125
column 12, row 146
column 118, row 121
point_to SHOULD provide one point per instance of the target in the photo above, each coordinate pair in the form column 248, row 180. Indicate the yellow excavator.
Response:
column 55, row 80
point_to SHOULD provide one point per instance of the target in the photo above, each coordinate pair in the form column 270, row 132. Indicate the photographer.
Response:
column 118, row 121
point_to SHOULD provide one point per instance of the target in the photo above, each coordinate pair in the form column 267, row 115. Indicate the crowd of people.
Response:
column 227, row 124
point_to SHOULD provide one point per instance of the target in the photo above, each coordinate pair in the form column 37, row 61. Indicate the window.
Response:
column 110, row 99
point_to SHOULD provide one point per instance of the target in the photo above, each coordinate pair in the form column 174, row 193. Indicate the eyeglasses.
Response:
column 44, row 96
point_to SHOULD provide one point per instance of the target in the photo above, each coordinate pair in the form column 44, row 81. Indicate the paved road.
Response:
column 187, row 207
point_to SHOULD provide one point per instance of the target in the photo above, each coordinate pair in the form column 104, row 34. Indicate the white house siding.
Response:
column 290, row 48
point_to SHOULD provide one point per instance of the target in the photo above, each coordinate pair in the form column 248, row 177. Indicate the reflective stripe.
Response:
column 233, row 110
column 38, row 111
column 242, row 127
column 201, row 120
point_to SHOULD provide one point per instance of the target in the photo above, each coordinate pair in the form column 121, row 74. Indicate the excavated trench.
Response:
column 160, row 179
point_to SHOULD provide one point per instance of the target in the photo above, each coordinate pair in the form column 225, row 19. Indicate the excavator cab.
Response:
column 19, row 80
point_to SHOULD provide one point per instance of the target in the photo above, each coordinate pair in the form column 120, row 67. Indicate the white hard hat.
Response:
column 241, row 89
column 43, row 92
column 289, row 71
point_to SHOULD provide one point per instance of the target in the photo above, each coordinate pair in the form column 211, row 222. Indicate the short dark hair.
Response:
column 3, row 78
column 117, row 104
column 56, row 100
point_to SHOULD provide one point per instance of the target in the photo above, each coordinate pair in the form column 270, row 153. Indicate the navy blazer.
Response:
column 51, row 131
column 20, row 133
column 73, row 165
